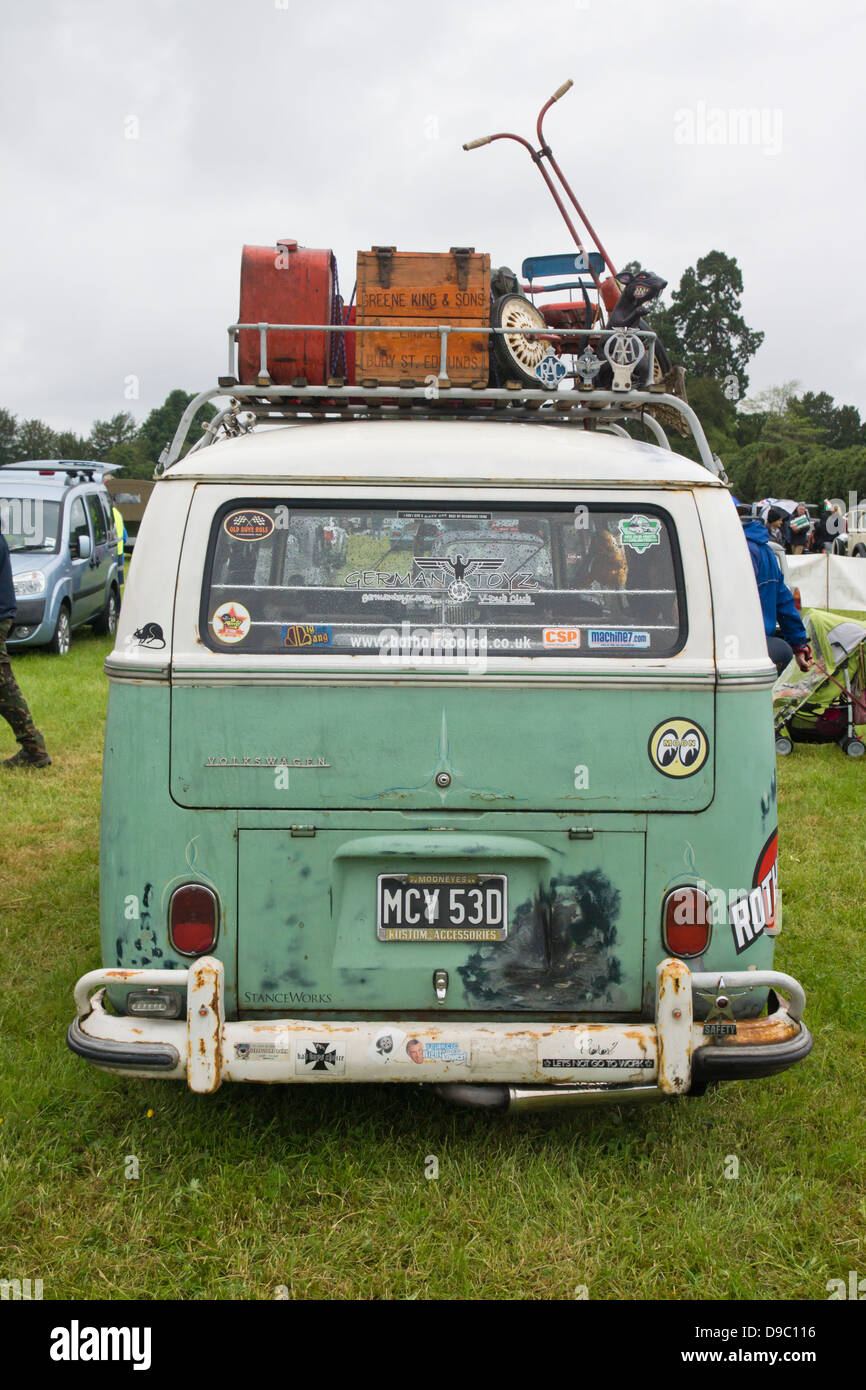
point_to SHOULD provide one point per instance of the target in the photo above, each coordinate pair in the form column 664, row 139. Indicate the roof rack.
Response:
column 570, row 399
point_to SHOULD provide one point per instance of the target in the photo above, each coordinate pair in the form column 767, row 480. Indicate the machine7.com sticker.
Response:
column 678, row 747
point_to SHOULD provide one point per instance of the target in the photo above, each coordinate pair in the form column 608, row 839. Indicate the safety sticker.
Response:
column 617, row 637
column 306, row 635
column 248, row 525
column 678, row 747
column 640, row 532
column 231, row 622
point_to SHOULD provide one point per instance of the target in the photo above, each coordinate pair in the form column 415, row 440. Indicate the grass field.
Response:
column 323, row 1191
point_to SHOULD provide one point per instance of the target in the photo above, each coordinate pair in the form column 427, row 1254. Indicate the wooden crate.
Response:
column 420, row 289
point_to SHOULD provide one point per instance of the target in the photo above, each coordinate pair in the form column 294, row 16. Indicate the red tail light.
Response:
column 193, row 919
column 798, row 602
column 687, row 921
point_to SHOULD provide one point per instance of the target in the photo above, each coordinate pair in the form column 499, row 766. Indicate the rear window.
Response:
column 527, row 581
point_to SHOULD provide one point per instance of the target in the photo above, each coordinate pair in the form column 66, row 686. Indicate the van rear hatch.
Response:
column 505, row 657
column 428, row 660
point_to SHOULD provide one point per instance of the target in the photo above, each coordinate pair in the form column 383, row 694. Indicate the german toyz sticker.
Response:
column 640, row 532
column 678, row 747
column 248, row 526
column 231, row 623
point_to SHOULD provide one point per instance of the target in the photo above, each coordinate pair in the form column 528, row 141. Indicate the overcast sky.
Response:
column 340, row 123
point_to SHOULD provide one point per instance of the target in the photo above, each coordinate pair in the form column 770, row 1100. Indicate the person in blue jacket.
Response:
column 777, row 601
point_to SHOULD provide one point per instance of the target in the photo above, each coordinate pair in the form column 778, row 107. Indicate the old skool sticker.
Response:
column 231, row 623
column 678, row 747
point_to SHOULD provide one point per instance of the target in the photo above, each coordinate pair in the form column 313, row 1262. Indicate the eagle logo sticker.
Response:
column 678, row 747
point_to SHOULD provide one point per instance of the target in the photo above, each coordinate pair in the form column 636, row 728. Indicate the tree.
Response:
column 8, row 437
column 36, row 440
column 840, row 425
column 703, row 327
column 108, row 434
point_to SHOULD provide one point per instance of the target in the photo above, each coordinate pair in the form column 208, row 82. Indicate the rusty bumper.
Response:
column 577, row 1062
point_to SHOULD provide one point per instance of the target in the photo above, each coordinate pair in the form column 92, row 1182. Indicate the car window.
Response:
column 29, row 523
column 97, row 516
column 598, row 580
column 77, row 523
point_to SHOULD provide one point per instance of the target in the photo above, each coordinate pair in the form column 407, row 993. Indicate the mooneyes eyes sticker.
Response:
column 678, row 747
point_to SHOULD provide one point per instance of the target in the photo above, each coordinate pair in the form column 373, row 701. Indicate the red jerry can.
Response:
column 287, row 283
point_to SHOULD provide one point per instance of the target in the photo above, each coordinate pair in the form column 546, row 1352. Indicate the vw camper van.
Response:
column 440, row 749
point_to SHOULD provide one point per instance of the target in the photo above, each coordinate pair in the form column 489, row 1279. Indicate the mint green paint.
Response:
column 498, row 745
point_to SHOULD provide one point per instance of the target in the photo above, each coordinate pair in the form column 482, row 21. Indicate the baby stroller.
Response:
column 828, row 703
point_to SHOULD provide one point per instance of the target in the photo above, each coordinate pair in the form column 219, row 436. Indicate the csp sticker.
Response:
column 561, row 636
column 678, row 747
column 248, row 526
column 640, row 532
column 231, row 623
column 306, row 635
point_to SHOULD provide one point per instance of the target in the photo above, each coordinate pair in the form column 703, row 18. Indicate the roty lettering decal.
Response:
column 755, row 912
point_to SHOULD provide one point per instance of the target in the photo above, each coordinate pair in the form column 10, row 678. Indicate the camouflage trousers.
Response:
column 13, row 706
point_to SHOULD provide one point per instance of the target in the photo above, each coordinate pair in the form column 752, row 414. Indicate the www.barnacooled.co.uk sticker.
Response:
column 678, row 747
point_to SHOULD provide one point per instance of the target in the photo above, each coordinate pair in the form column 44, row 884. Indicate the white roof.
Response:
column 493, row 452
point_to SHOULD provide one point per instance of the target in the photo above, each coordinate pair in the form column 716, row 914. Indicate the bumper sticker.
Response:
column 320, row 1059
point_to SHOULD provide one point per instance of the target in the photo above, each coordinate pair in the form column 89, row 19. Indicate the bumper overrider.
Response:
column 490, row 1064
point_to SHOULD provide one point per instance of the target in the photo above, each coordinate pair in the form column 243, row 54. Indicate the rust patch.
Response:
column 761, row 1030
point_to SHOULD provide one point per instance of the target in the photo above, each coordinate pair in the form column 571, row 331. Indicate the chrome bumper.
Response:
column 514, row 1064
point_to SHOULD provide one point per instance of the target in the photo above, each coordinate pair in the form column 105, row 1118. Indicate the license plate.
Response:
column 442, row 907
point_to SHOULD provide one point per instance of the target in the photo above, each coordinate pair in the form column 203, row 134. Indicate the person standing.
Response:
column 777, row 602
column 13, row 706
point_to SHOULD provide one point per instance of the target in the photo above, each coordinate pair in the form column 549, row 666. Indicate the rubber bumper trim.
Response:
column 102, row 1051
column 734, row 1063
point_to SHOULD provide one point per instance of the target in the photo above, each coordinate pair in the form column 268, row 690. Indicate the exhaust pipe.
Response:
column 513, row 1098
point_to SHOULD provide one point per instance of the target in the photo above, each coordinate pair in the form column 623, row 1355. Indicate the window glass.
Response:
column 97, row 516
column 29, row 523
column 526, row 581
column 77, row 523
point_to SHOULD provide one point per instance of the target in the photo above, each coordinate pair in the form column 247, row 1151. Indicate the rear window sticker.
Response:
column 617, row 637
column 387, row 1045
column 678, row 747
column 320, row 1059
column 560, row 636
column 306, row 635
column 231, row 622
column 640, row 532
column 248, row 525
